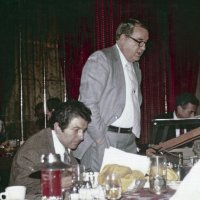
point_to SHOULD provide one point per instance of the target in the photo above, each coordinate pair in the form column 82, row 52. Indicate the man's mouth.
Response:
column 139, row 54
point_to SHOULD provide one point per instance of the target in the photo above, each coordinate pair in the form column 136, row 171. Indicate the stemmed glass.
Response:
column 113, row 188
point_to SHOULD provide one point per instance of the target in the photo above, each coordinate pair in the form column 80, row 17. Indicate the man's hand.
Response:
column 100, row 140
column 66, row 179
column 150, row 152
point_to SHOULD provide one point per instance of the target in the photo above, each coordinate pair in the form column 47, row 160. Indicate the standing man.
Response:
column 68, row 125
column 110, row 87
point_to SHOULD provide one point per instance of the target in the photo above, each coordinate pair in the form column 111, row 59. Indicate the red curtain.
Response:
column 184, row 50
column 169, row 66
column 77, row 48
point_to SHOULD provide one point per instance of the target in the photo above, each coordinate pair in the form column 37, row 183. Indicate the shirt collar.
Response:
column 122, row 57
column 174, row 115
column 58, row 146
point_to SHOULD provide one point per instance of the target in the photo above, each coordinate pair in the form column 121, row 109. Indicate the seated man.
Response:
column 185, row 107
column 68, row 125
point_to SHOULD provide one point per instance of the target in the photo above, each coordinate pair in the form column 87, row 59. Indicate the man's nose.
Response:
column 143, row 47
column 80, row 134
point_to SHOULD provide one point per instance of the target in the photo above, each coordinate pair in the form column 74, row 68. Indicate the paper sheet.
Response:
column 134, row 161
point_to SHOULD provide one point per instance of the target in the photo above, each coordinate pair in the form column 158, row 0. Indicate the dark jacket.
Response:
column 27, row 160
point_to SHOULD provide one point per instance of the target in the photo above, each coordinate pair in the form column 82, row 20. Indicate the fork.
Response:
column 139, row 184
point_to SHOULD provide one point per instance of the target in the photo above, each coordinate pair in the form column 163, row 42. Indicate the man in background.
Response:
column 110, row 87
column 68, row 125
column 43, row 118
column 52, row 105
column 186, row 106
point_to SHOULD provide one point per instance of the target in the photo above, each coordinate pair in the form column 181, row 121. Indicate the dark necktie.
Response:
column 67, row 159
column 182, row 131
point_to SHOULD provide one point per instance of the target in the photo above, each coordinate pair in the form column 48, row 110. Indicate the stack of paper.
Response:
column 134, row 161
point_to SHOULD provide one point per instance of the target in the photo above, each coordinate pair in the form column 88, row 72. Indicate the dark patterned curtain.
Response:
column 6, row 55
column 30, row 70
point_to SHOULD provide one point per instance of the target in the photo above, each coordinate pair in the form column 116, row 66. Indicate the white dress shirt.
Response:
column 132, row 108
column 178, row 129
column 58, row 146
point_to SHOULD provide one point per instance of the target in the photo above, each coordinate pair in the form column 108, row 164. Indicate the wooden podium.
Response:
column 178, row 141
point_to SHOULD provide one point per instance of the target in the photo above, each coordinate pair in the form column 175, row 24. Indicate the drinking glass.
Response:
column 157, row 175
column 113, row 188
column 78, row 173
column 77, row 177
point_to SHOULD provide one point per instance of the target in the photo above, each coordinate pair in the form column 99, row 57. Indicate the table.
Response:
column 143, row 194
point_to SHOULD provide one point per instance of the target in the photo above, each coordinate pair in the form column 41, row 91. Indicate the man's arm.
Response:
column 93, row 82
column 24, row 164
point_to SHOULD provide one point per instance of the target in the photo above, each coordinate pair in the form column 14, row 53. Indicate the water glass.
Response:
column 113, row 188
column 158, row 174
column 77, row 173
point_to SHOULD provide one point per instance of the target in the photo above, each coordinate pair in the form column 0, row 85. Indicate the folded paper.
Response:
column 134, row 161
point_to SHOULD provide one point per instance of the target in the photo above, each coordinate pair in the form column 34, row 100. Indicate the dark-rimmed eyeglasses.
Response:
column 140, row 43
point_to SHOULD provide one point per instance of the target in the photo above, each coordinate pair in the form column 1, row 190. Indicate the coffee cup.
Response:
column 13, row 193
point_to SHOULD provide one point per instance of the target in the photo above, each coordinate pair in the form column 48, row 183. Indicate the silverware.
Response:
column 139, row 184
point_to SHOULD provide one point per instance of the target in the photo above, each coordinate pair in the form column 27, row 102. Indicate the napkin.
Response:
column 134, row 161
column 90, row 194
column 189, row 187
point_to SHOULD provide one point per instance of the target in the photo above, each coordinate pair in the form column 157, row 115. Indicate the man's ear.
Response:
column 57, row 128
column 123, row 37
column 179, row 110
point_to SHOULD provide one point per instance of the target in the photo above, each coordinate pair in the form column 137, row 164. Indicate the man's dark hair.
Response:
column 53, row 103
column 186, row 98
column 127, row 27
column 69, row 110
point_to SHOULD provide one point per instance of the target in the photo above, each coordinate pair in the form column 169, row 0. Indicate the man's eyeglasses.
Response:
column 140, row 43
